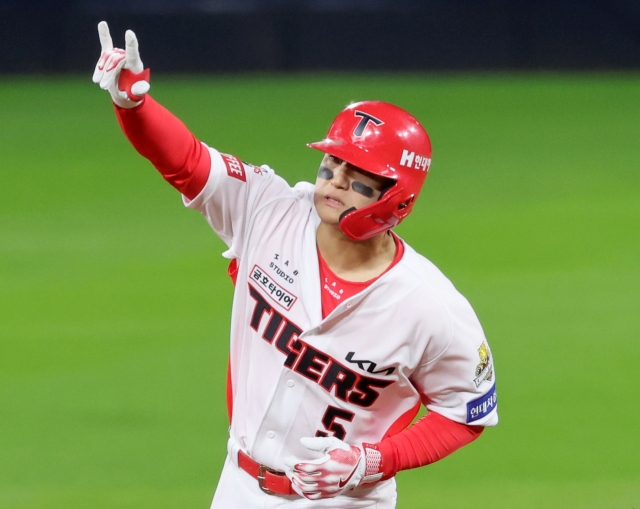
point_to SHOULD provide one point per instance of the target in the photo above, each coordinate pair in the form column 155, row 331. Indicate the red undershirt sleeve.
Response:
column 162, row 138
column 430, row 439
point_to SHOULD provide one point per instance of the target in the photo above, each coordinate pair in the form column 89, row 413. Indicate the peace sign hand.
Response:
column 121, row 72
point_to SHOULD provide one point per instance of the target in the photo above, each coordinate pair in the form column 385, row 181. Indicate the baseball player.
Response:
column 340, row 331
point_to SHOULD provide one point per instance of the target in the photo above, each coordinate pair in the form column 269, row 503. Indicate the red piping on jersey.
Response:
column 232, row 271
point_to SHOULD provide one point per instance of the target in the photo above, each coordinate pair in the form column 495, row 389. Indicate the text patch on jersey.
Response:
column 278, row 294
column 479, row 408
column 235, row 168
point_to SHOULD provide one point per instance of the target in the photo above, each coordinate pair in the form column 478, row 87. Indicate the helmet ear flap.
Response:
column 382, row 195
column 361, row 224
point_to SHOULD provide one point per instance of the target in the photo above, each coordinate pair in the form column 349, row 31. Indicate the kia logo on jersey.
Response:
column 371, row 365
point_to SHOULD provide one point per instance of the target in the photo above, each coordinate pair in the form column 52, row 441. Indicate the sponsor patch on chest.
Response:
column 278, row 294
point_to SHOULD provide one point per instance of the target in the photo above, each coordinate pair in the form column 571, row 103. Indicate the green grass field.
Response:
column 114, row 301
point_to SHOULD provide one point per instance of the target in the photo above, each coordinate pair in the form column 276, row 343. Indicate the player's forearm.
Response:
column 162, row 138
column 430, row 439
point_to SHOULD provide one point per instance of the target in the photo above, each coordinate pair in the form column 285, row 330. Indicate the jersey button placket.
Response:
column 271, row 434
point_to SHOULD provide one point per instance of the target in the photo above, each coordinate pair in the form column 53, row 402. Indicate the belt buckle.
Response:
column 261, row 471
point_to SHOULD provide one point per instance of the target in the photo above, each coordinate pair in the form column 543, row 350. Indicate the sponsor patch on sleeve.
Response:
column 479, row 408
column 235, row 168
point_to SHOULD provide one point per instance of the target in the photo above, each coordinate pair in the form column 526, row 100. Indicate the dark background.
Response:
column 39, row 36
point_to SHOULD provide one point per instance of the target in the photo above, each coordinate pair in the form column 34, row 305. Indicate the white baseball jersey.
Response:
column 408, row 338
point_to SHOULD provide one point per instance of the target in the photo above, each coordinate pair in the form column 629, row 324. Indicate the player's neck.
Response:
column 355, row 260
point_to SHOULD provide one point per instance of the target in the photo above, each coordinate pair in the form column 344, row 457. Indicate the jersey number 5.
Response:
column 330, row 424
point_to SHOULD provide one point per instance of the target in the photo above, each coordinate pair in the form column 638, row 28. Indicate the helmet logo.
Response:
column 364, row 122
column 411, row 160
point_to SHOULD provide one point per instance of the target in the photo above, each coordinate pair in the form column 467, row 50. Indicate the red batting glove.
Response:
column 342, row 468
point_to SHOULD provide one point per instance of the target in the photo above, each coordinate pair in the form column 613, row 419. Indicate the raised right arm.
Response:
column 162, row 138
column 154, row 131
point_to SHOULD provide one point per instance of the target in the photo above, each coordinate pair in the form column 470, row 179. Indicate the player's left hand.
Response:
column 341, row 468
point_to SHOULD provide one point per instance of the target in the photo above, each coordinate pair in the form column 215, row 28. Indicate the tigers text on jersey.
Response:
column 360, row 373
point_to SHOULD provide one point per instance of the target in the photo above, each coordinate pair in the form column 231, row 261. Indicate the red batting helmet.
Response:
column 385, row 140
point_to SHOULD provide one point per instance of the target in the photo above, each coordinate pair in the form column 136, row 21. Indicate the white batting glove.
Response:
column 340, row 469
column 121, row 72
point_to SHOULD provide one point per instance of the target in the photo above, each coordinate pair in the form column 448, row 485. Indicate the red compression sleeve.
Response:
column 430, row 439
column 162, row 138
